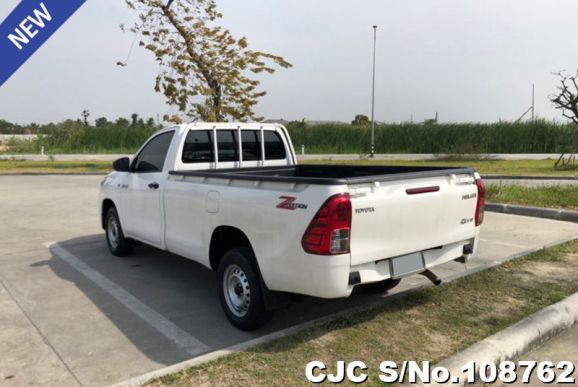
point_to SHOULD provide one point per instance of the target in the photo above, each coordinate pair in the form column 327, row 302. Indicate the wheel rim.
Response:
column 236, row 290
column 113, row 232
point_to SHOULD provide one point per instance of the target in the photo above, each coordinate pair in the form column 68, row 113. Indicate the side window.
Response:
column 198, row 147
column 227, row 145
column 274, row 148
column 251, row 145
column 152, row 156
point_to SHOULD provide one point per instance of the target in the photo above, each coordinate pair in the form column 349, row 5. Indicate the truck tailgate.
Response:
column 396, row 218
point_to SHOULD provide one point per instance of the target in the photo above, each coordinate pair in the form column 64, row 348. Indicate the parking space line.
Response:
column 183, row 339
column 507, row 244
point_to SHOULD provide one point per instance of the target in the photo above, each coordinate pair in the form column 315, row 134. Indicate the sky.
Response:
column 470, row 61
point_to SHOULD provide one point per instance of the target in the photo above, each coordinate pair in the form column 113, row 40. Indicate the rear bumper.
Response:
column 331, row 278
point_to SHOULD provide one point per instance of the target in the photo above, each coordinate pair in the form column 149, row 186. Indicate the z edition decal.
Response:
column 288, row 203
column 29, row 25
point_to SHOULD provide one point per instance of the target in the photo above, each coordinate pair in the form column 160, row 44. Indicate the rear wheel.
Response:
column 381, row 286
column 240, row 290
column 117, row 243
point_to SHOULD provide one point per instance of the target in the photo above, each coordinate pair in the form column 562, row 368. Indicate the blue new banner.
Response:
column 29, row 25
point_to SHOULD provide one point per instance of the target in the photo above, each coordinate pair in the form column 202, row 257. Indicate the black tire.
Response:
column 239, row 288
column 117, row 243
column 381, row 286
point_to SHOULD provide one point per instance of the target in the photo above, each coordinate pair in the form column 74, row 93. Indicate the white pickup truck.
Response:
column 232, row 197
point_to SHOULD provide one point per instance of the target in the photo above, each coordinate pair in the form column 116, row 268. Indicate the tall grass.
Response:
column 76, row 137
column 107, row 139
column 468, row 138
column 459, row 138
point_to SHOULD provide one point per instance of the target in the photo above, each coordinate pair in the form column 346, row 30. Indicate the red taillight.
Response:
column 481, row 201
column 329, row 231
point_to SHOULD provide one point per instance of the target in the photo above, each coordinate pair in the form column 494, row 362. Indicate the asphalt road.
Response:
column 72, row 314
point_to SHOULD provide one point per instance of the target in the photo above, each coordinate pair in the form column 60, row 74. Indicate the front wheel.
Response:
column 117, row 243
column 240, row 290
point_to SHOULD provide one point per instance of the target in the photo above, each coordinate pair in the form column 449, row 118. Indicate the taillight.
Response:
column 481, row 201
column 330, row 230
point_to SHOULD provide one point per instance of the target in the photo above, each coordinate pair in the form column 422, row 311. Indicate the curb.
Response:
column 548, row 213
column 514, row 341
column 54, row 174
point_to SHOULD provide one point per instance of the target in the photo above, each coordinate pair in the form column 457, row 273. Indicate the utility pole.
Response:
column 372, row 151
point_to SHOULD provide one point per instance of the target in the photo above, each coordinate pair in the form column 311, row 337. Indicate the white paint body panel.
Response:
column 190, row 208
column 400, row 224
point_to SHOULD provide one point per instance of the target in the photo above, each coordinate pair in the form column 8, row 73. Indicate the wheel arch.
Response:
column 106, row 205
column 225, row 238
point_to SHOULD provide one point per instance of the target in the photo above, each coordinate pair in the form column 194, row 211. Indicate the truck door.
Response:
column 142, row 198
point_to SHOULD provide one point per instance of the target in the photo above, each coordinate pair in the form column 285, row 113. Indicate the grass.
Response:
column 455, row 138
column 501, row 167
column 29, row 166
column 429, row 324
column 122, row 136
column 565, row 197
column 486, row 167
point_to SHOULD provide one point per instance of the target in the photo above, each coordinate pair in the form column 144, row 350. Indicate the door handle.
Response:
column 154, row 185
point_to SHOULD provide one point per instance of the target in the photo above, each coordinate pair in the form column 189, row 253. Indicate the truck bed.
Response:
column 327, row 174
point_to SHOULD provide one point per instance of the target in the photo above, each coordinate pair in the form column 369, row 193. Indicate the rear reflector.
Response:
column 422, row 190
column 480, row 206
column 330, row 230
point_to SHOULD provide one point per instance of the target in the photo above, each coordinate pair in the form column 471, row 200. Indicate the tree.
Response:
column 150, row 122
column 122, row 122
column 85, row 114
column 204, row 70
column 134, row 119
column 360, row 120
column 101, row 122
column 566, row 100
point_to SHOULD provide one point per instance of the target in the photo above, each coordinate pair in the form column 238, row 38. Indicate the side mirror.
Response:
column 121, row 165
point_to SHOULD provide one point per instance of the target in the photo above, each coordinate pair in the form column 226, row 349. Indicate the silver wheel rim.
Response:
column 113, row 232
column 236, row 290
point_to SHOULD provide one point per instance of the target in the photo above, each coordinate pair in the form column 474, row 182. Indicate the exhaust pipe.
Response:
column 430, row 275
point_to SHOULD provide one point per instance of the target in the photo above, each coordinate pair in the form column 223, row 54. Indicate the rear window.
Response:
column 251, row 145
column 274, row 148
column 198, row 147
column 227, row 145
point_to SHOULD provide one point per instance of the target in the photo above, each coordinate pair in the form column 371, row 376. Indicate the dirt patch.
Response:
column 440, row 344
column 551, row 271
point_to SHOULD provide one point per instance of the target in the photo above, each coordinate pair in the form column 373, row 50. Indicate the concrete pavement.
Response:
column 563, row 347
column 80, row 315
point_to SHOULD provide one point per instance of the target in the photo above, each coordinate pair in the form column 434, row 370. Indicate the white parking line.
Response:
column 189, row 343
column 507, row 244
